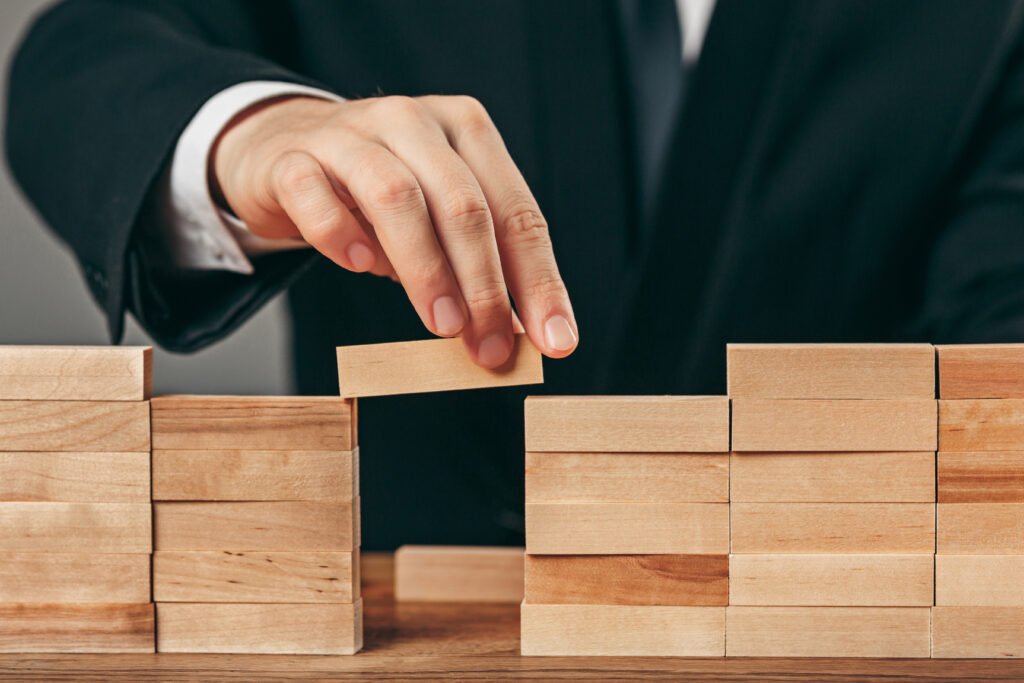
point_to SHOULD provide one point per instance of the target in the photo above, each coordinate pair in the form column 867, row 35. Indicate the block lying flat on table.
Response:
column 627, row 477
column 831, row 370
column 76, row 373
column 286, row 423
column 833, row 425
column 831, row 580
column 101, row 628
column 75, row 477
column 632, row 424
column 981, row 477
column 430, row 365
column 828, row 631
column 79, row 426
column 892, row 477
column 269, row 526
column 980, row 528
column 977, row 632
column 824, row 528
column 436, row 573
column 982, row 580
column 623, row 631
column 627, row 528
column 226, row 576
column 699, row 580
column 247, row 628
column 74, row 578
column 75, row 527
column 981, row 424
column 981, row 371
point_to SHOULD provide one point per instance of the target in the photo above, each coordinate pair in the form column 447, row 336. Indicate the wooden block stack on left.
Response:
column 75, row 510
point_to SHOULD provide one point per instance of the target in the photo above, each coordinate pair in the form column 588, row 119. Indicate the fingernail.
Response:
column 493, row 351
column 448, row 318
column 361, row 256
column 558, row 333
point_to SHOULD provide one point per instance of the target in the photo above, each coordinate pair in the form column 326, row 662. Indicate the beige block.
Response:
column 981, row 580
column 75, row 527
column 981, row 477
column 980, row 528
column 981, row 425
column 977, row 632
column 98, row 628
column 78, row 426
column 76, row 373
column 74, row 578
column 435, row 573
column 981, row 371
column 75, row 477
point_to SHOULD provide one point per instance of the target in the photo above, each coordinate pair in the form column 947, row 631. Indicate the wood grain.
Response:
column 101, row 628
column 980, row 528
column 75, row 477
column 698, row 580
column 977, row 632
column 981, row 424
column 981, row 477
column 821, row 371
column 981, row 371
column 833, row 425
column 78, row 426
column 76, row 373
column 74, row 578
column 631, row 424
column 622, row 630
column 982, row 580
column 826, row 528
column 75, row 527
column 432, row 573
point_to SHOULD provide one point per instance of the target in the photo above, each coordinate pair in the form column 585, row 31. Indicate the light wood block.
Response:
column 828, row 632
column 75, row 527
column 982, row 580
column 100, row 628
column 255, row 475
column 75, row 477
column 246, row 628
column 632, row 424
column 627, row 528
column 981, row 371
column 981, row 477
column 74, row 578
column 622, row 631
column 832, row 580
column 225, row 576
column 980, row 528
column 981, row 425
column 279, row 423
column 977, row 632
column 833, row 425
column 433, row 573
column 893, row 477
column 698, row 580
column 820, row 371
column 78, row 426
column 430, row 365
column 627, row 477
column 826, row 528
column 76, row 373
column 252, row 526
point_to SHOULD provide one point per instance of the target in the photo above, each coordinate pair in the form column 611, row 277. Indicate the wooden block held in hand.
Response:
column 833, row 425
column 977, row 632
column 75, row 527
column 440, row 573
column 75, row 477
column 76, row 373
column 629, row 424
column 698, row 580
column 78, row 426
column 980, row 528
column 981, row 425
column 981, row 371
column 820, row 371
column 981, row 477
column 622, row 631
column 982, row 580
column 100, row 628
column 84, row 577
column 430, row 365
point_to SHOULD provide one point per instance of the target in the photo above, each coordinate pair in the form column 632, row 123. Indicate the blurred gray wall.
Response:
column 43, row 299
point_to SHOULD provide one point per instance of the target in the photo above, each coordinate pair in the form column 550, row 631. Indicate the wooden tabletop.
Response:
column 431, row 641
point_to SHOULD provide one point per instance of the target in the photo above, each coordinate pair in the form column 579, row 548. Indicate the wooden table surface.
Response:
column 431, row 641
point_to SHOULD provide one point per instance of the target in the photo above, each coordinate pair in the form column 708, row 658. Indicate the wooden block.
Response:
column 699, row 580
column 894, row 477
column 816, row 528
column 981, row 371
column 225, row 576
column 630, row 424
column 832, row 580
column 981, row 425
column 430, row 365
column 977, row 632
column 627, row 477
column 435, row 573
column 74, row 578
column 622, row 631
column 255, row 475
column 76, row 373
column 78, row 426
column 268, row 526
column 833, row 425
column 981, row 477
column 246, row 628
column 980, row 528
column 820, row 371
column 75, row 477
column 828, row 631
column 279, row 423
column 101, row 628
column 627, row 528
column 75, row 527
column 982, row 580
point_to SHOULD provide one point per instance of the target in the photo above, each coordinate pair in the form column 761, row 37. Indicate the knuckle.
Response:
column 467, row 210
column 395, row 193
column 401, row 106
column 486, row 297
column 431, row 275
column 544, row 284
column 473, row 115
column 525, row 223
column 296, row 173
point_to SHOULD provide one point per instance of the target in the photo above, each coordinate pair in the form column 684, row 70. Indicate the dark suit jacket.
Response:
column 843, row 171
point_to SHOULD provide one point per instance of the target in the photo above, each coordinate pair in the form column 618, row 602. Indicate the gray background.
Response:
column 43, row 299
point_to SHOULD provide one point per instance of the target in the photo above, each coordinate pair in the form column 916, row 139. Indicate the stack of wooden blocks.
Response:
column 75, row 532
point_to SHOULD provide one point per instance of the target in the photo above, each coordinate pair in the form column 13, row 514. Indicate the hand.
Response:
column 419, row 189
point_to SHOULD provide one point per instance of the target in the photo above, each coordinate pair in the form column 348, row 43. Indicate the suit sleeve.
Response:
column 99, row 92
